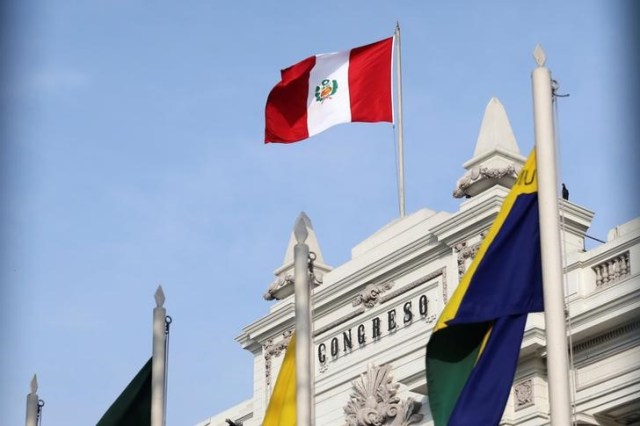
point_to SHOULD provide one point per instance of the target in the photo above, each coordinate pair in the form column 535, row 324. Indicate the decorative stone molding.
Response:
column 369, row 297
column 467, row 252
column 478, row 174
column 445, row 290
column 612, row 270
column 278, row 284
column 339, row 321
column 275, row 290
column 412, row 285
column 374, row 402
column 270, row 350
column 605, row 338
column 523, row 394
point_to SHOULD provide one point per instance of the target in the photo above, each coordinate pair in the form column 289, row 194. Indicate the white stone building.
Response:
column 373, row 315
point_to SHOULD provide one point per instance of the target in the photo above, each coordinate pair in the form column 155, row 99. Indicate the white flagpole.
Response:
column 556, row 334
column 32, row 404
column 304, row 373
column 158, row 367
column 400, row 133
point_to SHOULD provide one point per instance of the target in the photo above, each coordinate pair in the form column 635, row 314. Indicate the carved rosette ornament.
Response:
column 371, row 294
column 374, row 402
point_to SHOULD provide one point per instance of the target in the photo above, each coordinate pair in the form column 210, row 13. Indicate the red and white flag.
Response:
column 329, row 89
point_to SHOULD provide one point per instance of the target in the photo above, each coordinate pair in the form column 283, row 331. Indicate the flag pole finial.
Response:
column 539, row 55
column 34, row 385
column 159, row 296
column 300, row 229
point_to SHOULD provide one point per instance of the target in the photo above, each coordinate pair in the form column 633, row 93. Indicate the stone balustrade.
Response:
column 612, row 270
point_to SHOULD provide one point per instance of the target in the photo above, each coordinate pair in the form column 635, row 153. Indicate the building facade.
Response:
column 373, row 315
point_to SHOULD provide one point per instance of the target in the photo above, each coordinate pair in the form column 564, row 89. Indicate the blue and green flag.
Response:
column 473, row 351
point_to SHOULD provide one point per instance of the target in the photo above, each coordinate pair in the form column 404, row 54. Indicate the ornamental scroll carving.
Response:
column 371, row 294
column 477, row 174
column 277, row 285
column 467, row 252
column 374, row 401
column 270, row 350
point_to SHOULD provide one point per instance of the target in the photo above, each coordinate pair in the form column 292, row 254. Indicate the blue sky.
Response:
column 132, row 155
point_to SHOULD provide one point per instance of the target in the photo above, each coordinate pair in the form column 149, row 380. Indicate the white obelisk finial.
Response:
column 539, row 55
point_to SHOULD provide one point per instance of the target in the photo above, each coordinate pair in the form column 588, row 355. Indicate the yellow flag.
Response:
column 282, row 405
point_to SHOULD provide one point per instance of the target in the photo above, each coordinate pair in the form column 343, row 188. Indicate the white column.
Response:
column 32, row 404
column 557, row 358
column 158, row 366
column 304, row 373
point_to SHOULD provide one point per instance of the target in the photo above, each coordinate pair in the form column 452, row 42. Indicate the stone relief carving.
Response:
column 467, row 252
column 277, row 285
column 477, row 174
column 369, row 297
column 288, row 280
column 270, row 350
column 374, row 401
column 523, row 394
column 445, row 289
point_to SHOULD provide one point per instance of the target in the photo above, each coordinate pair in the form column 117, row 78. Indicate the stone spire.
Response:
column 283, row 284
column 496, row 159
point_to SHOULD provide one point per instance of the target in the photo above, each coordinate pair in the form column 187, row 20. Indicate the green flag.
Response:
column 133, row 406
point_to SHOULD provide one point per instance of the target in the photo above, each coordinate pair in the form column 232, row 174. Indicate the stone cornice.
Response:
column 467, row 223
column 266, row 327
column 419, row 252
column 611, row 306
column 575, row 218
column 533, row 341
column 606, row 339
column 496, row 151
column 408, row 287
column 605, row 251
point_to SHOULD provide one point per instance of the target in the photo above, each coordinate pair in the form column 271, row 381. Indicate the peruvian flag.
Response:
column 329, row 89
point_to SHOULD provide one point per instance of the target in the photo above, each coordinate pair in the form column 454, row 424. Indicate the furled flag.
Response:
column 329, row 89
column 282, row 405
column 133, row 406
column 473, row 351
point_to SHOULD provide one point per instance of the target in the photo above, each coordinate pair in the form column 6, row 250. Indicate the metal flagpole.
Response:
column 304, row 373
column 557, row 361
column 158, row 367
column 400, row 133
column 32, row 404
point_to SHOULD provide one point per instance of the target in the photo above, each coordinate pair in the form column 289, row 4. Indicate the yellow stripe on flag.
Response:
column 526, row 183
column 282, row 405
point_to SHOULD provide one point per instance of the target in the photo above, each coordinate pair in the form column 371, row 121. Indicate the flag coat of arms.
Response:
column 473, row 351
column 332, row 88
